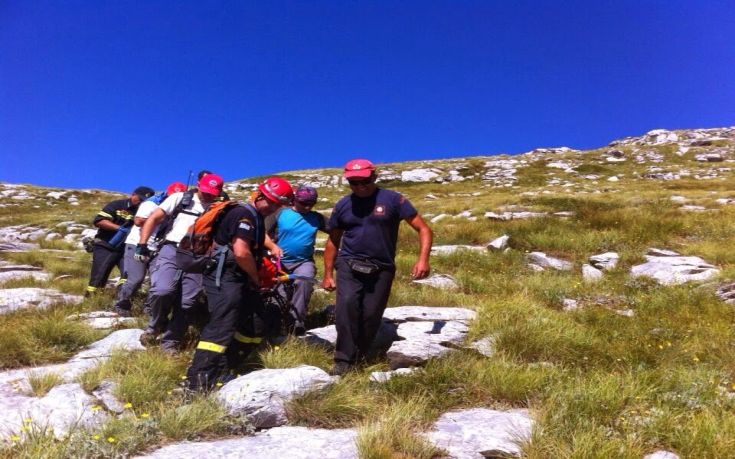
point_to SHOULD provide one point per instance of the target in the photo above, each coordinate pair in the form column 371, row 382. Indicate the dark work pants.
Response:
column 237, row 325
column 103, row 260
column 361, row 300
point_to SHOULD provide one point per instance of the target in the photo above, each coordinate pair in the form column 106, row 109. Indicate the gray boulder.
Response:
column 290, row 442
column 422, row 341
column 670, row 268
column 481, row 432
column 9, row 271
column 605, row 261
column 545, row 261
column 499, row 243
column 383, row 376
column 590, row 273
column 440, row 281
column 450, row 249
column 428, row 313
column 261, row 395
column 13, row 299
column 661, row 454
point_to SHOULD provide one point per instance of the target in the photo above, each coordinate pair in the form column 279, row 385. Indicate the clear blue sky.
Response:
column 113, row 94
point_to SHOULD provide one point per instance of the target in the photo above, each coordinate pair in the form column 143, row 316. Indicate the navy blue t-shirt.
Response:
column 371, row 225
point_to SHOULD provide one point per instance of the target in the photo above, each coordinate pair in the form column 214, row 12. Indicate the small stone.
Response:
column 569, row 304
column 440, row 281
column 384, row 376
column 499, row 243
column 545, row 261
column 590, row 273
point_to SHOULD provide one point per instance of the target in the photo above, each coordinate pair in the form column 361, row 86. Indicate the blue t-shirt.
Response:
column 296, row 234
column 371, row 225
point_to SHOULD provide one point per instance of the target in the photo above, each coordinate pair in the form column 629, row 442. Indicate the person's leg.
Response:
column 348, row 313
column 209, row 362
column 134, row 275
column 103, row 260
column 250, row 330
column 375, row 298
column 302, row 291
column 164, row 288
column 191, row 285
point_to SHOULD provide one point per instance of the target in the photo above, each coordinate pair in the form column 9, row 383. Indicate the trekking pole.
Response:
column 188, row 178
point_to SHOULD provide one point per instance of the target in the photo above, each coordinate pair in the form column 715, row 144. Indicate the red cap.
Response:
column 175, row 187
column 211, row 184
column 360, row 168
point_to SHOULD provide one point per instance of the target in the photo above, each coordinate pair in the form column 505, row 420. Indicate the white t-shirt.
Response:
column 185, row 218
column 145, row 210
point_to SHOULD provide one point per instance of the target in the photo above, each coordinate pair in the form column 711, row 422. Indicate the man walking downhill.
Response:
column 238, row 321
column 135, row 270
column 294, row 230
column 113, row 223
column 364, row 227
column 173, row 291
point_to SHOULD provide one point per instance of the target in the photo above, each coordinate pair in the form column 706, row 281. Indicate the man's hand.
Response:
column 142, row 253
column 328, row 283
column 420, row 270
column 276, row 251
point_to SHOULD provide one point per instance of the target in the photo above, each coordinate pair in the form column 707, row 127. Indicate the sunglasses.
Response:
column 362, row 182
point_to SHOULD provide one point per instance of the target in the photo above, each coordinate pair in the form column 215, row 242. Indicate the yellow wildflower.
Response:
column 15, row 438
column 111, row 439
column 95, row 437
column 145, row 415
column 128, row 405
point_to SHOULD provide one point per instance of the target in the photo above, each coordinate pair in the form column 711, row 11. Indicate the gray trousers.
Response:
column 133, row 273
column 173, row 292
column 302, row 289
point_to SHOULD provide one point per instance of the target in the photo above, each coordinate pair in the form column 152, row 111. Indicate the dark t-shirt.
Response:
column 119, row 212
column 371, row 225
column 245, row 222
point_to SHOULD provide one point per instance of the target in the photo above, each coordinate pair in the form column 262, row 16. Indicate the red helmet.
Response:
column 277, row 190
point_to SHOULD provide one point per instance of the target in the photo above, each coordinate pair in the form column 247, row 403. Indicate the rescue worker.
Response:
column 294, row 230
column 113, row 223
column 362, row 247
column 135, row 270
column 173, row 292
column 238, row 321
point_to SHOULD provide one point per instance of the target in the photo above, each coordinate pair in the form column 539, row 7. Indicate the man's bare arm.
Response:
column 422, row 268
column 330, row 255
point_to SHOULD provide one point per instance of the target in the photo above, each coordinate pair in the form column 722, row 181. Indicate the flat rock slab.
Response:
column 481, row 432
column 385, row 376
column 425, row 340
column 63, row 408
column 440, row 281
column 12, row 299
column 605, row 261
column 9, row 271
column 280, row 442
column 507, row 216
column 261, row 395
column 545, row 261
column 450, row 249
column 427, row 313
column 103, row 320
column 726, row 293
column 670, row 268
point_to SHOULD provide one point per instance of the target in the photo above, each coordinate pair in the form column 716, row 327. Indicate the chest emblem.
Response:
column 379, row 210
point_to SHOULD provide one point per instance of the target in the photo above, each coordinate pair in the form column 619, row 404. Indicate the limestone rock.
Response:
column 661, row 454
column 507, row 216
column 439, row 218
column 569, row 304
column 590, row 273
column 428, row 313
column 481, row 432
column 440, row 281
column 105, row 394
column 9, row 271
column 485, row 346
column 669, row 268
column 290, row 442
column 545, row 261
column 450, row 249
column 102, row 320
column 605, row 261
column 424, row 340
column 13, row 299
column 499, row 243
column 419, row 175
column 261, row 395
column 727, row 293
column 383, row 376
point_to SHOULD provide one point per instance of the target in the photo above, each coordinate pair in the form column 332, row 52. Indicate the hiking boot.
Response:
column 299, row 330
column 339, row 368
column 122, row 312
column 148, row 338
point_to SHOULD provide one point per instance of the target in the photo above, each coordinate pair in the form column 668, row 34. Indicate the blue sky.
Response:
column 113, row 94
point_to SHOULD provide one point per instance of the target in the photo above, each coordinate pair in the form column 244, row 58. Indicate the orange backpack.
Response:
column 196, row 252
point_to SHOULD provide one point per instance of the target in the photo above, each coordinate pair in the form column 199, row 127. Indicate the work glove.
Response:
column 142, row 253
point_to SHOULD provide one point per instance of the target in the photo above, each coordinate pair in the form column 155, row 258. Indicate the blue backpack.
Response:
column 158, row 198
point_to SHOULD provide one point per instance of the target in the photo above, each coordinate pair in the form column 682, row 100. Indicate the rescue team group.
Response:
column 146, row 232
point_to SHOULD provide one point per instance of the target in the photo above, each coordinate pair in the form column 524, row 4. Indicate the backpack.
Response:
column 158, row 198
column 197, row 251
column 168, row 223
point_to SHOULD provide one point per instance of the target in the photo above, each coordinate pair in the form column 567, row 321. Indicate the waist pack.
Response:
column 365, row 267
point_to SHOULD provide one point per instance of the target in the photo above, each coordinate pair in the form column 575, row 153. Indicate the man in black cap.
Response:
column 113, row 224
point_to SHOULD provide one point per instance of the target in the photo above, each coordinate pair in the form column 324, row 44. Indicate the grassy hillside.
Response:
column 599, row 383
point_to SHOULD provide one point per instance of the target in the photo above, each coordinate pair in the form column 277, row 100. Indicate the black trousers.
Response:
column 361, row 300
column 238, row 323
column 103, row 260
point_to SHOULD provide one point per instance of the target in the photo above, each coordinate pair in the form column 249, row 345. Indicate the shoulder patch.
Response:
column 245, row 224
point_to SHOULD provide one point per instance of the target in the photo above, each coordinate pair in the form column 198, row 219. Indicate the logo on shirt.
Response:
column 379, row 210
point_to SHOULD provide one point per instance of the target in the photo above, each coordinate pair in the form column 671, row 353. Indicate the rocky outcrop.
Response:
column 669, row 268
column 13, row 299
column 440, row 281
column 280, row 442
column 10, row 271
column 102, row 320
column 481, row 432
column 261, row 396
column 544, row 261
